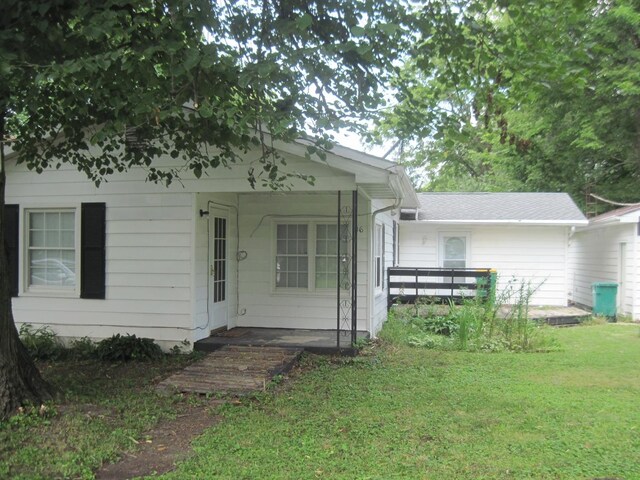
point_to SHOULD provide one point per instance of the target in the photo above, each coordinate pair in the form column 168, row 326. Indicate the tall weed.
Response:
column 478, row 324
column 42, row 343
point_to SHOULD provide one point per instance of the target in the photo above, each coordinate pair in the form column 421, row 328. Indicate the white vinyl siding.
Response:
column 595, row 256
column 531, row 254
column 379, row 298
column 261, row 302
column 148, row 258
column 157, row 247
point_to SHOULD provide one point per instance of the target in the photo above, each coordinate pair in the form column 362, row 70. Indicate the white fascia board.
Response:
column 404, row 187
column 557, row 223
column 367, row 168
column 626, row 219
column 630, row 218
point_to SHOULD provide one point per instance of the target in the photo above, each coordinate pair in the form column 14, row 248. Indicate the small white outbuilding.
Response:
column 608, row 250
column 523, row 236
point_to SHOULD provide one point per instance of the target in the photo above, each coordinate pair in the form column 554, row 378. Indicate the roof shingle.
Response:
column 499, row 207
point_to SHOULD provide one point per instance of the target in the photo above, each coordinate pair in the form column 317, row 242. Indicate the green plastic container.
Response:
column 604, row 299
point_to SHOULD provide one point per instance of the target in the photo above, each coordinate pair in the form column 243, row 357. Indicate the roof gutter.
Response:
column 395, row 182
column 567, row 223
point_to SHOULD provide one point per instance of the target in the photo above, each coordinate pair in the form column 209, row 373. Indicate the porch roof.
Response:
column 375, row 176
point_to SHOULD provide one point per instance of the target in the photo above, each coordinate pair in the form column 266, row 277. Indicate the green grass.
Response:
column 403, row 412
column 104, row 410
column 394, row 412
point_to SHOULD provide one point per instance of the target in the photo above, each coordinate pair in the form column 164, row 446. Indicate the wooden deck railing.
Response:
column 439, row 285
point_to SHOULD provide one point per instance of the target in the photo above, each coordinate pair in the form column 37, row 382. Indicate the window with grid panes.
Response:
column 292, row 257
column 311, row 265
column 51, row 254
column 326, row 258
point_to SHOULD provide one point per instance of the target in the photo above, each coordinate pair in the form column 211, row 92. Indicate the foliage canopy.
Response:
column 196, row 80
column 522, row 95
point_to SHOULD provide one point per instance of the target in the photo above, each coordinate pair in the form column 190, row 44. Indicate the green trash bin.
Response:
column 604, row 299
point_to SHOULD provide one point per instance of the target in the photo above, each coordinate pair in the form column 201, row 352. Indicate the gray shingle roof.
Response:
column 499, row 207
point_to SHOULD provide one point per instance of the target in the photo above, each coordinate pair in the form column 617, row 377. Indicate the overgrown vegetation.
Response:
column 42, row 343
column 475, row 325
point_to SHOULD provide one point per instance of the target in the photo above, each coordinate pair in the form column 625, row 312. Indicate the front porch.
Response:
column 314, row 341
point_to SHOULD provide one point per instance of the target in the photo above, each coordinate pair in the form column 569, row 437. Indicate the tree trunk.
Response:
column 20, row 380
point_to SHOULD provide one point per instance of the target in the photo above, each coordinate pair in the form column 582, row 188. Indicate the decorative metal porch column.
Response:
column 347, row 272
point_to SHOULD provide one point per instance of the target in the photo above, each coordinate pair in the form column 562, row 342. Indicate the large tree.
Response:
column 523, row 95
column 199, row 81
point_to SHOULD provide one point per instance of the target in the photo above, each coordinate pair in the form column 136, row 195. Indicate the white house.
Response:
column 204, row 254
column 608, row 250
column 524, row 236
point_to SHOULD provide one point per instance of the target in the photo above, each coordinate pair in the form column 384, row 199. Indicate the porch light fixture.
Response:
column 204, row 213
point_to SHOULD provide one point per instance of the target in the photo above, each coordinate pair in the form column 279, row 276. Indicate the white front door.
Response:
column 218, row 268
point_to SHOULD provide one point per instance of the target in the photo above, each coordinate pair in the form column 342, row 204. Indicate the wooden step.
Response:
column 233, row 369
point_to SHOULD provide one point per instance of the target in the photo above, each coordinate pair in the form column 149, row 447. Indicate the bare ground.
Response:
column 160, row 448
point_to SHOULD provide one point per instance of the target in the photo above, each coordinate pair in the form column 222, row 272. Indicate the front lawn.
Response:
column 395, row 412
column 406, row 412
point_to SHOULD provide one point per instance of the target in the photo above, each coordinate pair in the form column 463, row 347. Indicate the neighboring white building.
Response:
column 608, row 250
column 204, row 254
column 524, row 236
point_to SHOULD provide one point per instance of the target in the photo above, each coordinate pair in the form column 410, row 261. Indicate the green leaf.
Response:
column 358, row 31
column 304, row 22
column 205, row 110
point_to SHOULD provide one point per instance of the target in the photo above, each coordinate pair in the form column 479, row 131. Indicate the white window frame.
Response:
column 312, row 225
column 447, row 234
column 378, row 257
column 26, row 289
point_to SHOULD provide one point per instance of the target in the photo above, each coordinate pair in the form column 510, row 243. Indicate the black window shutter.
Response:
column 92, row 250
column 11, row 244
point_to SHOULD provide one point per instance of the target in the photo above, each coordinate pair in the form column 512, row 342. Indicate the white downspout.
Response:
column 372, row 230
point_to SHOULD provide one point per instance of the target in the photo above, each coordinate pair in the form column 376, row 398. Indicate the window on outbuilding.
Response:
column 454, row 252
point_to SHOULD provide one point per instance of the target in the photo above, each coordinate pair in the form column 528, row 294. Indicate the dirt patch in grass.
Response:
column 164, row 445
column 103, row 412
